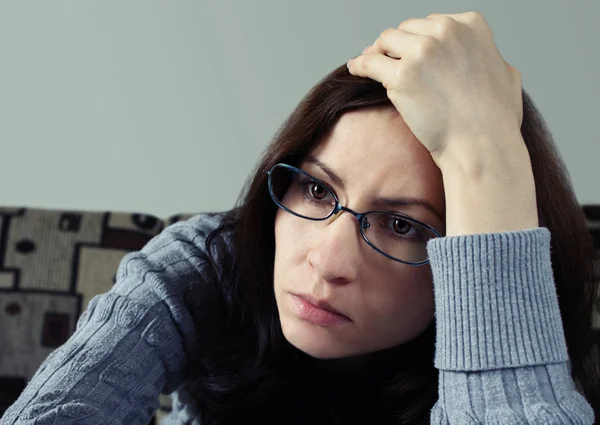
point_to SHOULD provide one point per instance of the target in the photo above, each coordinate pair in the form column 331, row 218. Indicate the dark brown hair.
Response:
column 254, row 373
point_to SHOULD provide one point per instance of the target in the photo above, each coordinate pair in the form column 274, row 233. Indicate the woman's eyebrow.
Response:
column 405, row 201
column 384, row 201
column 336, row 179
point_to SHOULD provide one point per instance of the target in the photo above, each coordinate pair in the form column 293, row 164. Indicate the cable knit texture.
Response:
column 500, row 345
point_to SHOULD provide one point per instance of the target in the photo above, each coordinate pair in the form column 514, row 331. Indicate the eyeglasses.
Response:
column 397, row 236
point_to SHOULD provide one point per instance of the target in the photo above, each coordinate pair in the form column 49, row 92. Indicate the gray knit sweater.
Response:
column 500, row 346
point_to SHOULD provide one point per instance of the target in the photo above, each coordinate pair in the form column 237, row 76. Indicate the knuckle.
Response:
column 364, row 61
column 361, row 62
column 386, row 33
column 474, row 16
column 425, row 47
column 446, row 27
column 476, row 19
column 405, row 23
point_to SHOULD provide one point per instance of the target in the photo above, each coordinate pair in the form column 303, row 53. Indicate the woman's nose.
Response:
column 336, row 256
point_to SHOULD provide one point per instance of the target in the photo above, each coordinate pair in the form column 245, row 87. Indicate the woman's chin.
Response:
column 315, row 341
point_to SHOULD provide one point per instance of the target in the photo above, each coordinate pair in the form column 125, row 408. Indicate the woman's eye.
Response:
column 401, row 226
column 318, row 191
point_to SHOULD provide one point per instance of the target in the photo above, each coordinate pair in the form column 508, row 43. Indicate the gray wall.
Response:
column 165, row 107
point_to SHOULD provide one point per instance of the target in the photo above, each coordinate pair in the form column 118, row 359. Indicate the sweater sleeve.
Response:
column 500, row 344
column 130, row 344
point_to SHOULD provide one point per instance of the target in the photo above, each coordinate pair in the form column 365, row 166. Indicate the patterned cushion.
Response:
column 52, row 263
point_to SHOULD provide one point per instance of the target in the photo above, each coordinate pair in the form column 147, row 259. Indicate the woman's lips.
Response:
column 318, row 315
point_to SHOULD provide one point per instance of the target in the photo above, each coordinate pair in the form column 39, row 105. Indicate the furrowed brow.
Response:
column 406, row 201
column 336, row 179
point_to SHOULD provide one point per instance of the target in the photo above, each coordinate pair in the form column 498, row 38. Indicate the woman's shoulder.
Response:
column 199, row 226
column 198, row 252
column 175, row 262
column 187, row 236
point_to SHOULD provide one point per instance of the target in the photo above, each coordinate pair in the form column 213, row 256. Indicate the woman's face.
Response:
column 387, row 303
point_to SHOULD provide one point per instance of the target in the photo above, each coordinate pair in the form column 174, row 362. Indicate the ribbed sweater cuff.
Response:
column 495, row 301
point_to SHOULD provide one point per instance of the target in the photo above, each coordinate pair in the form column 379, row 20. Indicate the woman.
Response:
column 409, row 250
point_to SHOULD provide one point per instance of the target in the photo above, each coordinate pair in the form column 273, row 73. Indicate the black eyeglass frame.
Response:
column 339, row 207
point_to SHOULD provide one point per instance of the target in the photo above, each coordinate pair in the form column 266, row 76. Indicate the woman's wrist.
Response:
column 491, row 193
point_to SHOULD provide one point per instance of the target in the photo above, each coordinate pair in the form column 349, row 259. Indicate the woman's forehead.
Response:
column 374, row 154
column 374, row 142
